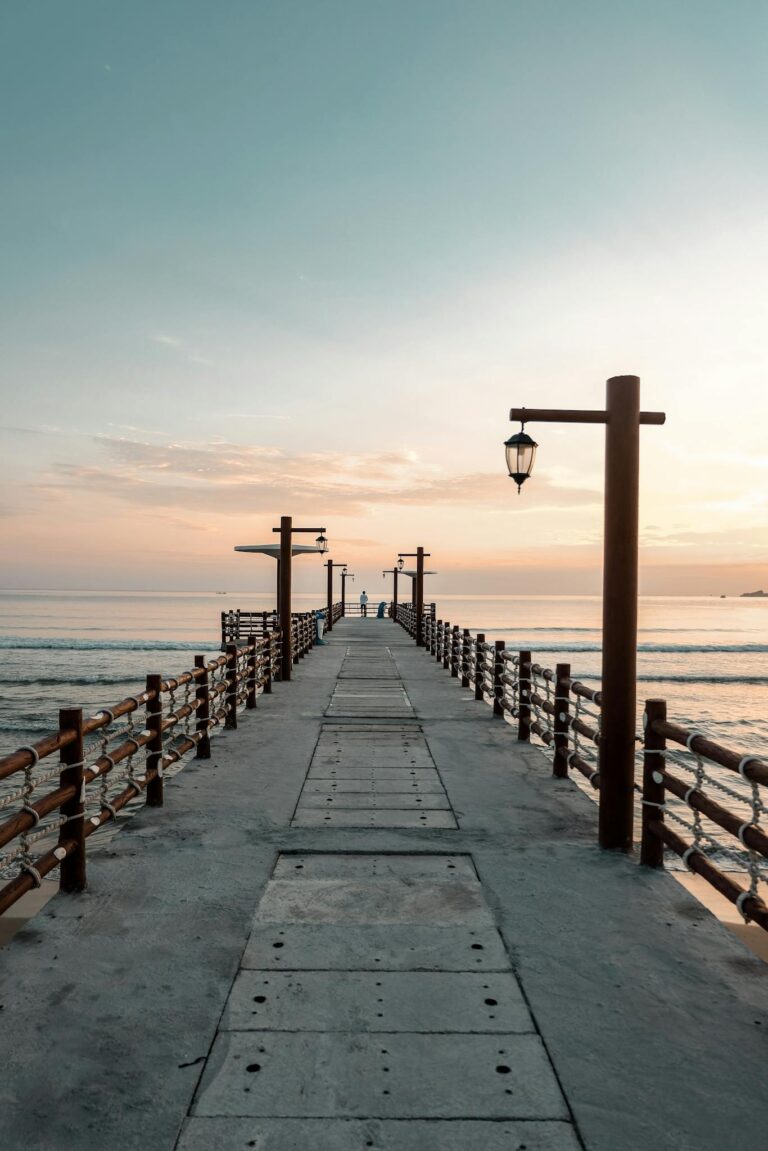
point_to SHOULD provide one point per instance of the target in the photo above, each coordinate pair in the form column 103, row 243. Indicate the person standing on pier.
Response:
column 363, row 604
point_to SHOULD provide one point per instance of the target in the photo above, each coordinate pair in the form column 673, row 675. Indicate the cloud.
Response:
column 232, row 479
column 179, row 346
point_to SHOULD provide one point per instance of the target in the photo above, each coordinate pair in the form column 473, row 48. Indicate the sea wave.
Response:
column 671, row 678
column 659, row 648
column 22, row 643
column 69, row 680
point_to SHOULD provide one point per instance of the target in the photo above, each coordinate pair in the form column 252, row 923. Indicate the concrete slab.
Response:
column 382, row 1134
column 378, row 901
column 373, row 798
column 371, row 865
column 374, row 784
column 377, row 947
column 406, row 1076
column 412, row 1001
column 422, row 775
column 384, row 817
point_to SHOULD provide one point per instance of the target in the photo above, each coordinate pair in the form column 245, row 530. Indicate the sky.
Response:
column 267, row 257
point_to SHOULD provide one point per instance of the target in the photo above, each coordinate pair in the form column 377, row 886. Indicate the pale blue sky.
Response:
column 367, row 229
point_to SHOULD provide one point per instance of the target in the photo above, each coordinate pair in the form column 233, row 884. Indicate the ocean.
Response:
column 707, row 656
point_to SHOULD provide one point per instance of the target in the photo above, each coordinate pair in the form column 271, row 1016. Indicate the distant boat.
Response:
column 219, row 593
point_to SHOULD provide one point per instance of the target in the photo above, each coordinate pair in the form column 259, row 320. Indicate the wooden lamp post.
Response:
column 420, row 555
column 394, row 572
column 330, row 565
column 345, row 575
column 622, row 418
column 287, row 531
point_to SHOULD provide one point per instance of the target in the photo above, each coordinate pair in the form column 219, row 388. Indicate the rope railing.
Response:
column 563, row 713
column 114, row 758
column 703, row 789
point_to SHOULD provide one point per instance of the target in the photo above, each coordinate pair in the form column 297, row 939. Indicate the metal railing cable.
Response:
column 707, row 792
column 119, row 756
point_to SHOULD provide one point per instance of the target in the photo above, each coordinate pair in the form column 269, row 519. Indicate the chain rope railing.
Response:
column 120, row 756
column 703, row 790
column 698, row 787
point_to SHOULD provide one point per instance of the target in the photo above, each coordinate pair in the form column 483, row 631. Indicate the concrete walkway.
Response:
column 375, row 920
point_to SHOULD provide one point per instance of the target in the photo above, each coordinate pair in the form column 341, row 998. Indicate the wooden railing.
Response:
column 55, row 809
column 355, row 608
column 237, row 625
column 685, row 797
column 547, row 703
column 565, row 715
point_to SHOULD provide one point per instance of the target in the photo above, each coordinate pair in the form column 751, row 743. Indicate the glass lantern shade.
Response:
column 401, row 563
column 521, row 452
column 322, row 543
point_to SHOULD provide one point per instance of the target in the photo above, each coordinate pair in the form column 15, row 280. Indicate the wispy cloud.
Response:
column 189, row 354
column 225, row 478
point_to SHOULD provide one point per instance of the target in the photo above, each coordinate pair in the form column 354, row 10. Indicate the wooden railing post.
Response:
column 562, row 719
column 253, row 662
column 438, row 648
column 651, row 846
column 154, row 745
column 72, row 873
column 466, row 644
column 266, row 655
column 203, row 711
column 498, row 677
column 447, row 644
column 479, row 665
column 275, row 655
column 454, row 652
column 230, row 719
column 524, row 680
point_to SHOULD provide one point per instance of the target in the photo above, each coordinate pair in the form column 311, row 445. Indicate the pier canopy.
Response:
column 274, row 549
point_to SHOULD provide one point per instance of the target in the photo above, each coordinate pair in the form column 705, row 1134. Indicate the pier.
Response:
column 374, row 918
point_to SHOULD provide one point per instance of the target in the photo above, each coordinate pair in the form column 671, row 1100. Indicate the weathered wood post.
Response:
column 479, row 666
column 498, row 678
column 230, row 718
column 651, row 845
column 562, row 719
column 419, row 597
column 622, row 419
column 253, row 661
column 466, row 647
column 203, row 711
column 154, row 746
column 329, row 565
column 286, row 630
column 524, row 680
column 72, row 873
column 438, row 648
column 447, row 645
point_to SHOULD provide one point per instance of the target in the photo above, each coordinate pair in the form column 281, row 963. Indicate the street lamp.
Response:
column 418, row 590
column 287, row 530
column 521, row 452
column 330, row 565
column 394, row 572
column 622, row 418
column 322, row 544
column 345, row 575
